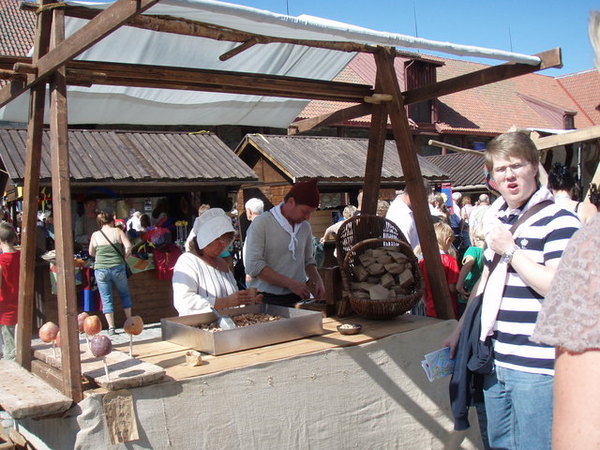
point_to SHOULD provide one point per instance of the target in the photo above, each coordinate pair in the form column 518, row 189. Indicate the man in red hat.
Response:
column 279, row 249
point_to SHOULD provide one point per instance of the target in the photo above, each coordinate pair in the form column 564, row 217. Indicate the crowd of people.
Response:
column 502, row 260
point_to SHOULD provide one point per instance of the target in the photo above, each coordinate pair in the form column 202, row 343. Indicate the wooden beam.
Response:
column 103, row 24
column 582, row 135
column 119, row 74
column 186, row 27
column 454, row 147
column 375, row 150
column 61, row 207
column 340, row 115
column 414, row 183
column 549, row 58
column 33, row 158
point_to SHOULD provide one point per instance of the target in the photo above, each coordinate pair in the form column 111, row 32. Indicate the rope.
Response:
column 50, row 6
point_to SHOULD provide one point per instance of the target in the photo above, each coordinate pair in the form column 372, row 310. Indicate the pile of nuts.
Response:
column 382, row 273
column 241, row 320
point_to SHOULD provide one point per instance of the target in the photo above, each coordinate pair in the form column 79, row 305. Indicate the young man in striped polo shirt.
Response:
column 519, row 393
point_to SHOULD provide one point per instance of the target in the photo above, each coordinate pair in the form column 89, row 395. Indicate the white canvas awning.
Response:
column 132, row 105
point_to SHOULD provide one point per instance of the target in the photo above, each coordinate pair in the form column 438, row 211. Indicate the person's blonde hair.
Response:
column 443, row 231
column 512, row 144
column 349, row 211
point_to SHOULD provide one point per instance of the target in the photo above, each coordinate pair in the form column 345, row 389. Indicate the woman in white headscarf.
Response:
column 201, row 278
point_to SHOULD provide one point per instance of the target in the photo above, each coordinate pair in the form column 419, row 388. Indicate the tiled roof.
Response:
column 16, row 28
column 498, row 106
column 584, row 89
column 465, row 169
column 361, row 70
column 329, row 158
column 128, row 157
column 528, row 101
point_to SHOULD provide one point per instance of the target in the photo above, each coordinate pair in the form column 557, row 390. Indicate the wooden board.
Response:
column 320, row 221
column 124, row 372
column 24, row 395
column 172, row 356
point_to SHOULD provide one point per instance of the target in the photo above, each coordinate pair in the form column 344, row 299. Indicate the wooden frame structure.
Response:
column 52, row 63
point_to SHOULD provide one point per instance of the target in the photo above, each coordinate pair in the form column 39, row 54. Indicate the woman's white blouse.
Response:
column 196, row 285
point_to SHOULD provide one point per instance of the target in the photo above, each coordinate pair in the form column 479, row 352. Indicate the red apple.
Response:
column 80, row 319
column 134, row 325
column 100, row 345
column 48, row 332
column 92, row 325
column 57, row 340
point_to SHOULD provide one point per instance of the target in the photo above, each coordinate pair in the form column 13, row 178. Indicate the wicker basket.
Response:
column 361, row 227
column 381, row 309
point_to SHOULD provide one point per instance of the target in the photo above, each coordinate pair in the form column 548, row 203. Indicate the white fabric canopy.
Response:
column 129, row 105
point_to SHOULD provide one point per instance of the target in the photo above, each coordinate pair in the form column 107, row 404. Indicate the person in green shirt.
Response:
column 472, row 266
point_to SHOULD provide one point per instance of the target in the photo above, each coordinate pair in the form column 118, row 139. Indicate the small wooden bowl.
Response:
column 349, row 328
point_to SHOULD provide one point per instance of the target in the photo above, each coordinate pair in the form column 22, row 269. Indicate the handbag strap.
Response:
column 114, row 246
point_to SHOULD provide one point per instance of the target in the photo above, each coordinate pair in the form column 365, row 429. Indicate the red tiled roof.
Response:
column 528, row 101
column 584, row 89
column 17, row 28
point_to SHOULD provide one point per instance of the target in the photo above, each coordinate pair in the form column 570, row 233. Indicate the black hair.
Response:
column 560, row 178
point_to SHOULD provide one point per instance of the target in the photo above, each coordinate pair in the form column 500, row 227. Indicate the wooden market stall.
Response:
column 53, row 62
column 338, row 164
column 126, row 170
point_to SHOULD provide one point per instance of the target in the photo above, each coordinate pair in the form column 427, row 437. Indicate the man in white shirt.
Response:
column 400, row 212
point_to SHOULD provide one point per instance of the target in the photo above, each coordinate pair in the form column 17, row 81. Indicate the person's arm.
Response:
column 452, row 340
column 315, row 281
column 576, row 399
column 0, row 277
column 587, row 211
column 272, row 277
column 468, row 262
column 92, row 246
column 126, row 242
column 537, row 276
column 331, row 231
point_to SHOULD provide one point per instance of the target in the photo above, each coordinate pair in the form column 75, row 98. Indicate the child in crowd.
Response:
column 444, row 236
column 472, row 266
column 9, row 287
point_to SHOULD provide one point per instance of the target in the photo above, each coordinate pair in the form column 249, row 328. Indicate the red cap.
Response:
column 306, row 193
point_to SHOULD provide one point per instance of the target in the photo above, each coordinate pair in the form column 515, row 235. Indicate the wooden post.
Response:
column 61, row 207
column 31, row 184
column 414, row 183
column 377, row 134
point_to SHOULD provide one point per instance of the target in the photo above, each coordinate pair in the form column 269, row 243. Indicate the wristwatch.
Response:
column 508, row 254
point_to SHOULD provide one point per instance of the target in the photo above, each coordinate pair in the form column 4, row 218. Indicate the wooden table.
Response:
column 171, row 357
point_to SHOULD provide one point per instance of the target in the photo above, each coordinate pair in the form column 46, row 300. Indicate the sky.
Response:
column 525, row 26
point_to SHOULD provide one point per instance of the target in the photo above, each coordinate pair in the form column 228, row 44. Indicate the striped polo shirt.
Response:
column 543, row 239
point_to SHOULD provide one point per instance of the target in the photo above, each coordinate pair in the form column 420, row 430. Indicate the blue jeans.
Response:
column 519, row 409
column 105, row 279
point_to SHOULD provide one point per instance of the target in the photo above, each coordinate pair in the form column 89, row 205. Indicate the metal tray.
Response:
column 294, row 324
